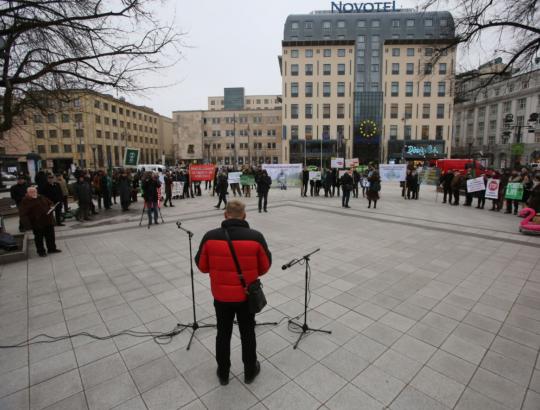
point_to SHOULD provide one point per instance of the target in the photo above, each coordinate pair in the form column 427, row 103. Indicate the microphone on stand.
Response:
column 288, row 265
column 178, row 224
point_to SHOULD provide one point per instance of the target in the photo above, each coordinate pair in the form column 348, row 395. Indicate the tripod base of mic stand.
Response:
column 194, row 327
column 305, row 329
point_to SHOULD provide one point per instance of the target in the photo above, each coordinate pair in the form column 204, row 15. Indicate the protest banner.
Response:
column 312, row 168
column 361, row 169
column 393, row 172
column 514, row 191
column 429, row 176
column 342, row 172
column 314, row 175
column 234, row 177
column 284, row 175
column 353, row 162
column 201, row 172
column 131, row 157
column 492, row 188
column 247, row 180
column 337, row 162
column 475, row 184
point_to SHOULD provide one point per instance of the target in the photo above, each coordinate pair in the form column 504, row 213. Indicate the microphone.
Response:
column 288, row 265
column 178, row 224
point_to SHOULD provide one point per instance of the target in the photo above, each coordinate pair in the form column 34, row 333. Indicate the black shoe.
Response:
column 156, row 223
column 222, row 380
column 259, row 211
column 165, row 205
column 216, row 206
column 42, row 254
column 347, row 206
column 265, row 210
column 55, row 251
column 248, row 378
column 60, row 224
column 172, row 205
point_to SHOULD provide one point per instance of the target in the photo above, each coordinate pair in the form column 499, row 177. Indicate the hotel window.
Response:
column 410, row 52
column 443, row 22
column 426, row 108
column 341, row 52
column 308, row 133
column 395, row 52
column 407, row 132
column 327, row 52
column 442, row 68
column 309, row 89
column 309, row 69
column 427, row 89
column 327, row 69
column 361, row 23
column 326, row 110
column 395, row 23
column 53, row 134
column 341, row 89
column 374, row 68
column 294, row 89
column 394, row 111
column 439, row 132
column 408, row 111
column 428, row 23
column 410, row 23
column 375, row 23
column 428, row 51
column 395, row 89
column 395, row 68
column 309, row 53
column 428, row 68
column 308, row 25
column 294, row 111
column 294, row 53
column 294, row 70
column 341, row 24
column 341, row 69
column 67, row 148
column 326, row 89
column 393, row 132
column 409, row 89
column 441, row 89
column 440, row 111
column 309, row 111
column 425, row 132
column 341, row 110
column 327, row 26
column 410, row 68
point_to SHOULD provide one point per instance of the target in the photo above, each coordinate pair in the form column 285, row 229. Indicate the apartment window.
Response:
column 361, row 39
column 410, row 52
column 507, row 106
column 428, row 68
column 98, row 119
column 395, row 89
column 294, row 89
column 106, row 106
column 428, row 23
column 425, row 132
column 294, row 132
column 395, row 52
column 341, row 52
column 96, row 104
column 115, row 123
column 309, row 111
column 309, row 69
column 443, row 22
column 294, row 69
column 375, row 53
column 66, row 133
column 326, row 89
column 309, row 53
column 113, row 108
column 308, row 132
column 53, row 134
column 440, row 111
column 375, row 40
column 407, row 132
column 55, row 149
column 410, row 23
column 374, row 68
column 327, row 52
column 442, row 68
column 409, row 89
column 394, row 111
column 395, row 68
column 308, row 25
column 108, row 135
column 326, row 110
column 67, row 148
column 441, row 89
column 341, row 89
column 439, row 132
column 374, row 87
column 341, row 69
column 65, row 118
column 294, row 53
column 341, row 110
column 428, row 51
column 425, row 111
column 522, row 103
column 395, row 23
column 106, row 120
column 41, row 149
column 410, row 68
column 393, row 132
column 361, row 23
column 493, row 109
column 79, row 133
column 327, row 69
column 51, row 118
column 361, row 68
column 408, row 111
column 294, row 111
column 427, row 88
column 309, row 89
column 40, row 134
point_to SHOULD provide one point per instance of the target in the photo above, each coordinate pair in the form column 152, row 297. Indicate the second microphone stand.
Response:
column 195, row 325
column 304, row 326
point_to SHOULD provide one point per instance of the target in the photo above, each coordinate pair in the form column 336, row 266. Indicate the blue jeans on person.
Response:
column 152, row 208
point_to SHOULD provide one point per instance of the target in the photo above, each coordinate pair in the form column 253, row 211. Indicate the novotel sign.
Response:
column 341, row 7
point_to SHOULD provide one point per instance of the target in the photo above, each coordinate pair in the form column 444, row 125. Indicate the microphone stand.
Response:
column 305, row 328
column 195, row 325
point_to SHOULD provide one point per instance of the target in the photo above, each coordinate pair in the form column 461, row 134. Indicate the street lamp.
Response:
column 94, row 155
column 79, row 130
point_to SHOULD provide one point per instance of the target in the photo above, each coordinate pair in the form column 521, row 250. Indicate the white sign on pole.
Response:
column 314, row 175
column 284, row 175
column 342, row 172
column 353, row 162
column 475, row 185
column 337, row 162
column 393, row 172
column 492, row 188
column 234, row 177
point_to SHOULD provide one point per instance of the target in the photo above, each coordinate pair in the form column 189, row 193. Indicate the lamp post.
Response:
column 94, row 155
column 78, row 130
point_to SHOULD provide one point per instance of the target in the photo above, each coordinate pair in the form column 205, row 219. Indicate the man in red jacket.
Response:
column 214, row 257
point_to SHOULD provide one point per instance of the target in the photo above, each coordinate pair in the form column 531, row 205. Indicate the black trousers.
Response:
column 355, row 190
column 168, row 196
column 447, row 193
column 225, row 313
column 345, row 198
column 456, row 196
column 46, row 233
column 263, row 197
column 58, row 214
column 222, row 197
column 304, row 188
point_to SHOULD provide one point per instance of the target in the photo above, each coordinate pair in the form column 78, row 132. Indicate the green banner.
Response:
column 514, row 190
column 247, row 180
column 518, row 148
column 131, row 157
column 312, row 168
column 361, row 168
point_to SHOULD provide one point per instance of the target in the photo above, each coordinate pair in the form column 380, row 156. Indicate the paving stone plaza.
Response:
column 430, row 307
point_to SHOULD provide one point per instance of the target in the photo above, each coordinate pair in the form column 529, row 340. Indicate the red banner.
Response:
column 201, row 172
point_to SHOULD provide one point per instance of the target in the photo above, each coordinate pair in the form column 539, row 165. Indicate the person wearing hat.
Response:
column 17, row 192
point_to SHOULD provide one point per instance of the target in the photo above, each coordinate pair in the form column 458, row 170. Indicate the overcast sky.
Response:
column 232, row 43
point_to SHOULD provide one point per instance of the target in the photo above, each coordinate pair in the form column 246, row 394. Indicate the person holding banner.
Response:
column 514, row 179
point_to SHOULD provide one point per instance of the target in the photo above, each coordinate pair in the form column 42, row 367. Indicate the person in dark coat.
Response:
column 410, row 183
column 263, row 186
column 168, row 189
column 534, row 197
column 222, row 185
column 456, row 186
column 374, row 188
column 53, row 192
column 305, row 182
column 82, row 191
column 356, row 180
column 17, row 193
column 446, row 182
column 124, row 189
column 36, row 214
column 151, row 197
column 346, row 182
column 41, row 180
column 335, row 182
column 481, row 195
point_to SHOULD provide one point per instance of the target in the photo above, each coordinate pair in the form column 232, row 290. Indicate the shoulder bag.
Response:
column 255, row 295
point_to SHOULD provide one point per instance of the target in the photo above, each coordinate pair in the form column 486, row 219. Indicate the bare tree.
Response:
column 48, row 46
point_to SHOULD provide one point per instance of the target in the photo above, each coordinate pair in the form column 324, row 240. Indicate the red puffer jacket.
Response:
column 214, row 256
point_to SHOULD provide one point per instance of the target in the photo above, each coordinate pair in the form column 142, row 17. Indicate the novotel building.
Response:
column 367, row 81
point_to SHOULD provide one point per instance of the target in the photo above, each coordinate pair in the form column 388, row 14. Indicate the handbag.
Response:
column 255, row 295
